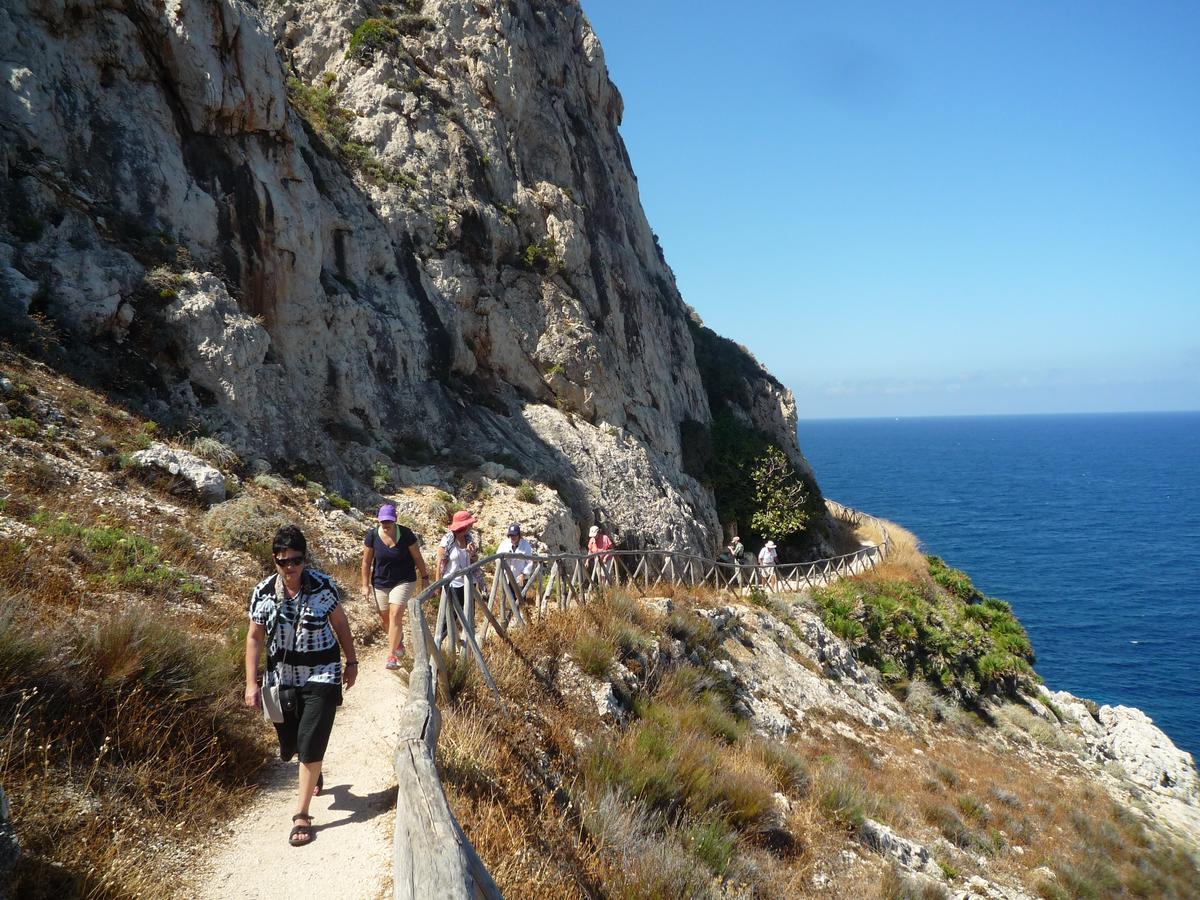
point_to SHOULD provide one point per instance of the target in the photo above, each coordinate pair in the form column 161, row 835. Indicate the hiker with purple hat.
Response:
column 514, row 543
column 390, row 562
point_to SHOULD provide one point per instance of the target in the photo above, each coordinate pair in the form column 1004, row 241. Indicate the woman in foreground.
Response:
column 297, row 613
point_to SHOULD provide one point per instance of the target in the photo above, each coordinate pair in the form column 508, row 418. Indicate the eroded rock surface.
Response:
column 432, row 245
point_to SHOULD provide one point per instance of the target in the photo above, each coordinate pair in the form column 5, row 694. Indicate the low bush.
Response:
column 213, row 451
column 909, row 628
column 22, row 427
column 370, row 37
column 117, row 557
column 526, row 493
column 594, row 653
column 845, row 796
column 541, row 256
column 271, row 483
column 242, row 524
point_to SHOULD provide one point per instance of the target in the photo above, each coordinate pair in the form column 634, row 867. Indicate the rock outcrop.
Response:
column 317, row 228
column 180, row 472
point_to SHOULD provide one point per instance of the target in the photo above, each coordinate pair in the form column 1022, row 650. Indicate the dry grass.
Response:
column 124, row 727
column 906, row 558
column 122, row 736
column 680, row 799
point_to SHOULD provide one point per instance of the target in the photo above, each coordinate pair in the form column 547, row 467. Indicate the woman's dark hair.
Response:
column 289, row 537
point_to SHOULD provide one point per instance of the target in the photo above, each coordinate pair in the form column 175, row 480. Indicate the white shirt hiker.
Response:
column 523, row 547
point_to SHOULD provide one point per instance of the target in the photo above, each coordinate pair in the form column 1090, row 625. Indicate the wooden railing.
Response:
column 432, row 856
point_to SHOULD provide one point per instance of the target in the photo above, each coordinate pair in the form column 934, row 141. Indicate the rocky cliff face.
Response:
column 333, row 231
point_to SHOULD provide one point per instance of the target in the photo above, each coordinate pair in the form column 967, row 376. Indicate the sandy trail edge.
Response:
column 351, row 853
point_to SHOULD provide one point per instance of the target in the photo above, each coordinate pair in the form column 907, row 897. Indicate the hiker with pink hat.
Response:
column 456, row 551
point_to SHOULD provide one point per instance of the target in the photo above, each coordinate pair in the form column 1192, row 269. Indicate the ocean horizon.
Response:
column 1087, row 523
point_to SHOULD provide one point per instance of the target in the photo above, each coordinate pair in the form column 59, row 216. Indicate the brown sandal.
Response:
column 301, row 831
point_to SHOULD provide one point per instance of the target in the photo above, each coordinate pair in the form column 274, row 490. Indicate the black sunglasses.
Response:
column 288, row 561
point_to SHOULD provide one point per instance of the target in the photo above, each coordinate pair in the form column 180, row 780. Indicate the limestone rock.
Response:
column 464, row 266
column 779, row 679
column 1130, row 738
column 608, row 704
column 1148, row 755
column 182, row 472
column 908, row 854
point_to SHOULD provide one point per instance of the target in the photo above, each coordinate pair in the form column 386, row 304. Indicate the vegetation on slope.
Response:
column 678, row 795
column 122, row 734
column 937, row 628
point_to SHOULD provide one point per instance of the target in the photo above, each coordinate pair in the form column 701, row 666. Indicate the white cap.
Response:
column 770, row 545
column 593, row 531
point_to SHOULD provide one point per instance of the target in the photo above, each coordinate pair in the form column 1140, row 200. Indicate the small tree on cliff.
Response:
column 780, row 493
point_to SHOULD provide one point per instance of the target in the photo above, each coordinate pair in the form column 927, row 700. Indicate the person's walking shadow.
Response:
column 358, row 809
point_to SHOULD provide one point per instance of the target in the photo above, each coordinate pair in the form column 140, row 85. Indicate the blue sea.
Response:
column 1089, row 525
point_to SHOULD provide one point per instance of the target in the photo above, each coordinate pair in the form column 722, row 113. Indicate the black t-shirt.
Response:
column 393, row 565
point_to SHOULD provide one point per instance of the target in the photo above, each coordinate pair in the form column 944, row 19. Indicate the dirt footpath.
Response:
column 350, row 856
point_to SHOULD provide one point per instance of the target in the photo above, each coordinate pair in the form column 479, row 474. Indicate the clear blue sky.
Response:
column 928, row 208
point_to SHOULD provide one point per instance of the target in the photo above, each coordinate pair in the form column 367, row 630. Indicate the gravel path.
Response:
column 350, row 855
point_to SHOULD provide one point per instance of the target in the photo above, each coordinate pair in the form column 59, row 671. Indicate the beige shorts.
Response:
column 397, row 596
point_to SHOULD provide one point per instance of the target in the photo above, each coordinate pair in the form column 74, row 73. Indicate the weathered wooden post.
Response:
column 431, row 857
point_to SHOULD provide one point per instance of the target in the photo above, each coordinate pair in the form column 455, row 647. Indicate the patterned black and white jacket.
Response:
column 296, row 656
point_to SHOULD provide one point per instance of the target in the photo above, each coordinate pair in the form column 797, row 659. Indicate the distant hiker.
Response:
column 297, row 613
column 736, row 550
column 767, row 559
column 514, row 543
column 598, row 542
column 391, row 559
column 456, row 551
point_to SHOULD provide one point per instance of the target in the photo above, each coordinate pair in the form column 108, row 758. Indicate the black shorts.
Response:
column 306, row 731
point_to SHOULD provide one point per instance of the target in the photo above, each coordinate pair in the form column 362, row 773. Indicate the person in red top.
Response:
column 598, row 542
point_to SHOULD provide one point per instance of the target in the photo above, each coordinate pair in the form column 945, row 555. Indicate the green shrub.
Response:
column 957, row 582
column 117, row 557
column 338, row 502
column 331, row 122
column 921, row 630
column 370, row 37
column 270, row 483
column 713, row 842
column 23, row 427
column 844, row 796
column 946, row 820
column 696, row 632
column 526, row 493
column 788, row 767
column 242, row 524
column 381, row 476
column 146, row 435
column 541, row 256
